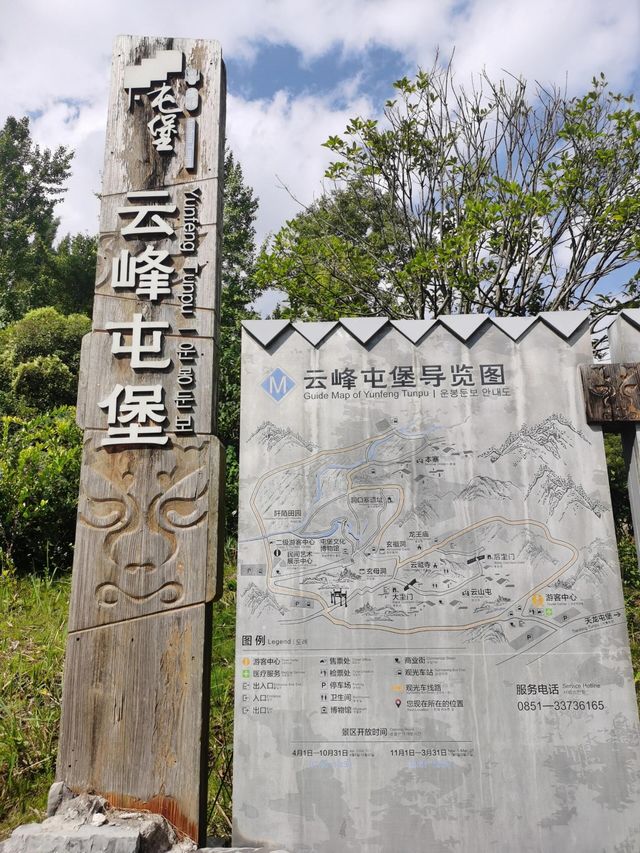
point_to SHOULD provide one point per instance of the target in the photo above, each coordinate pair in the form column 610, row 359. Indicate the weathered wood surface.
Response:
column 135, row 694
column 148, row 542
column 105, row 371
column 611, row 392
column 148, row 530
column 624, row 345
column 130, row 159
column 120, row 309
column 208, row 212
column 207, row 256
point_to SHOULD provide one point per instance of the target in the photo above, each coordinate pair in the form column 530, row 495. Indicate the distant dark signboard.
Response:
column 431, row 644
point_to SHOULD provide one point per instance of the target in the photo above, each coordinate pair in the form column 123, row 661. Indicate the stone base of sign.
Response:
column 87, row 824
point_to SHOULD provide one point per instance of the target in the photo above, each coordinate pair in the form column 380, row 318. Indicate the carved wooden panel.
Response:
column 131, row 159
column 148, row 537
column 189, row 371
column 611, row 392
column 624, row 345
column 147, row 533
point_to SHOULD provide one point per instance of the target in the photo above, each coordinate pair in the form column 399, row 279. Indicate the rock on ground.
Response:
column 86, row 824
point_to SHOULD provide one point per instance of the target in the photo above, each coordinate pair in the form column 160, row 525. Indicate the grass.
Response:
column 221, row 717
column 33, row 613
column 33, row 616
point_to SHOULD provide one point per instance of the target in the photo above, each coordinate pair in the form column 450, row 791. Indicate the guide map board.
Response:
column 431, row 635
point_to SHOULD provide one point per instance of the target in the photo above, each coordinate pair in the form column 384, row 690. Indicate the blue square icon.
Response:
column 278, row 384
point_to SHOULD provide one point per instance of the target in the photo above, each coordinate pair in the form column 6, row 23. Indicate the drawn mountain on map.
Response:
column 332, row 577
column 431, row 508
column 386, row 613
column 346, row 575
column 482, row 487
column 597, row 561
column 258, row 600
column 492, row 633
column 550, row 437
column 526, row 543
column 534, row 552
column 561, row 494
column 275, row 438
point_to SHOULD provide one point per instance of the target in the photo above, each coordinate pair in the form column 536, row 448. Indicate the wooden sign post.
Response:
column 136, row 681
column 624, row 345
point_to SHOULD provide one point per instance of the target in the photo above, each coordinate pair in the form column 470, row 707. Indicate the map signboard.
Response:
column 431, row 635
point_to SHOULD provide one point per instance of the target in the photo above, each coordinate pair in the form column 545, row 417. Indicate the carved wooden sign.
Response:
column 611, row 392
column 147, row 543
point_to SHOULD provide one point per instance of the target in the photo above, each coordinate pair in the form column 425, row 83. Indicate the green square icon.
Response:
column 246, row 673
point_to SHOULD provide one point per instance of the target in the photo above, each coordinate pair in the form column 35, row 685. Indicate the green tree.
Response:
column 239, row 290
column 32, row 183
column 489, row 200
column 40, row 360
column 39, row 471
column 66, row 279
column 44, row 383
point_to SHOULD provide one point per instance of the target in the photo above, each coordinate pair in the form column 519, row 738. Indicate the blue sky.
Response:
column 282, row 67
column 297, row 70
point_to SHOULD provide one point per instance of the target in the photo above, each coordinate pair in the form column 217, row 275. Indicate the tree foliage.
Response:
column 239, row 290
column 66, row 278
column 39, row 361
column 481, row 200
column 32, row 182
column 39, row 471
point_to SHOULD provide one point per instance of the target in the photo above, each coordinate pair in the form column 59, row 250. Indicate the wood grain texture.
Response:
column 624, row 345
column 131, row 161
column 111, row 245
column 111, row 217
column 100, row 372
column 120, row 309
column 611, row 392
column 149, row 540
column 134, row 698
column 148, row 530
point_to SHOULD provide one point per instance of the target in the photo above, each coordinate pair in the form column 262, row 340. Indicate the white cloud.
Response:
column 278, row 142
column 56, row 56
column 550, row 40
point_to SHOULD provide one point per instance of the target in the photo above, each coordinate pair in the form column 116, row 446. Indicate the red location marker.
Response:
column 398, row 703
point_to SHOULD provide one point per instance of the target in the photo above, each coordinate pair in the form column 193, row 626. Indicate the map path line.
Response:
column 586, row 630
column 273, row 587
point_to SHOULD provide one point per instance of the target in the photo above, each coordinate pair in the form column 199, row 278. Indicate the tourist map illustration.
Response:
column 407, row 532
column 431, row 633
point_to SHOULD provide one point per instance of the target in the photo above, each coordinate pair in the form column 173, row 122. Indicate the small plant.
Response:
column 33, row 615
column 222, row 701
column 39, row 473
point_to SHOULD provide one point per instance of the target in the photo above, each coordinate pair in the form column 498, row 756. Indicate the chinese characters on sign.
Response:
column 430, row 615
column 404, row 376
column 138, row 414
column 167, row 109
column 147, row 548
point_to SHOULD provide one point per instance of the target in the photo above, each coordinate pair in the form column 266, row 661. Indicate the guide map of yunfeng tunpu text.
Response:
column 429, row 597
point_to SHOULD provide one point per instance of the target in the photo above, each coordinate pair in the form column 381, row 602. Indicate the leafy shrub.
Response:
column 39, row 362
column 39, row 473
column 44, row 383
column 46, row 332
